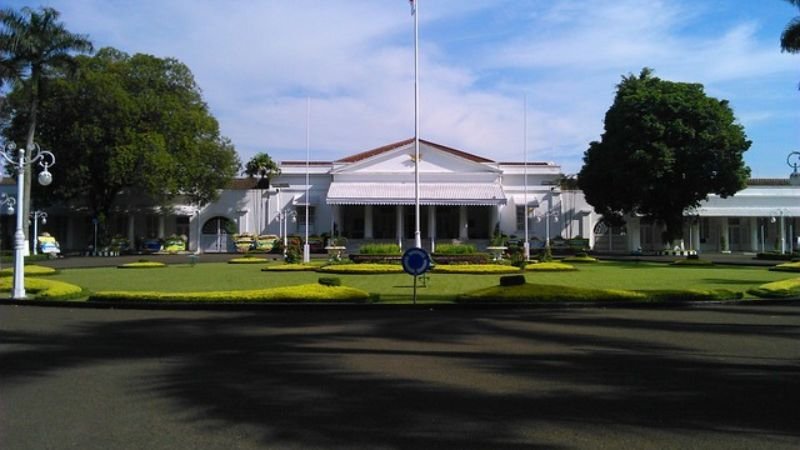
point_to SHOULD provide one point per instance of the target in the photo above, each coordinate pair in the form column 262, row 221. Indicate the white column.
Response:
column 634, row 234
column 367, row 221
column 131, row 229
column 724, row 234
column 399, row 222
column 754, row 234
column 161, row 225
column 463, row 232
column 432, row 226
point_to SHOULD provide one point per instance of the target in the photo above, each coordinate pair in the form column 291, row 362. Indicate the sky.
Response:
column 483, row 65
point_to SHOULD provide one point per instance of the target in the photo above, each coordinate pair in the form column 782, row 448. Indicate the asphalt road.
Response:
column 715, row 377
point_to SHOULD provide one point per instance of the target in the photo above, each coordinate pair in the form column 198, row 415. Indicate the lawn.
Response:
column 398, row 287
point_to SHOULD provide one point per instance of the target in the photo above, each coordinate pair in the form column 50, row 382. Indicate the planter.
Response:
column 335, row 252
column 497, row 252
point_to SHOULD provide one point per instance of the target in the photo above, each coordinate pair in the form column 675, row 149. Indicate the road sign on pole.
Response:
column 416, row 261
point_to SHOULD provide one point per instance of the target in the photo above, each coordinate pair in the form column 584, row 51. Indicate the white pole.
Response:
column 526, row 247
column 417, row 234
column 783, row 235
column 18, row 293
column 35, row 231
column 306, row 247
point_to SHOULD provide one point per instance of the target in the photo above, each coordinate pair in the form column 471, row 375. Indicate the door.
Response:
column 215, row 236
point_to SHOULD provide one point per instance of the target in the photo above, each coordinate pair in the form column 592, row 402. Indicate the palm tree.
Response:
column 263, row 166
column 790, row 39
column 33, row 46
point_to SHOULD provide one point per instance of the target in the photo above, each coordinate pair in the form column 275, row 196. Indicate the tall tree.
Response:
column 136, row 125
column 34, row 45
column 790, row 39
column 261, row 165
column 665, row 147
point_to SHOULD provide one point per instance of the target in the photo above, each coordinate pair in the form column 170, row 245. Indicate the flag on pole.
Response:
column 413, row 7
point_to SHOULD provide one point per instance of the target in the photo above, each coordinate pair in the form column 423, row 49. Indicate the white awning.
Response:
column 747, row 212
column 341, row 193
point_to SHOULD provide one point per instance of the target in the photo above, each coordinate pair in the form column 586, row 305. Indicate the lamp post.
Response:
column 546, row 217
column 36, row 216
column 45, row 159
column 781, row 213
column 8, row 201
column 793, row 161
column 284, row 216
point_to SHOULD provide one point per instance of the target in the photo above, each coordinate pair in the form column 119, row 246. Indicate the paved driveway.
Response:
column 716, row 377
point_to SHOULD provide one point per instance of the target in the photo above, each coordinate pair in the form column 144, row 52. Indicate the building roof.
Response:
column 768, row 182
column 386, row 148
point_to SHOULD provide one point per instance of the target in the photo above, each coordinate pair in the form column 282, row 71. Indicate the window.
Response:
column 301, row 216
column 151, row 226
column 182, row 225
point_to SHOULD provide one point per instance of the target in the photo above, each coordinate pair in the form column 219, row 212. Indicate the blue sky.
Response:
column 257, row 61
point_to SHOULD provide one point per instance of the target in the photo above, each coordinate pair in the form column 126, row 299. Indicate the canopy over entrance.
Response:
column 485, row 194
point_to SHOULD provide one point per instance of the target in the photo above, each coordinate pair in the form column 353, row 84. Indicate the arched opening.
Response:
column 215, row 235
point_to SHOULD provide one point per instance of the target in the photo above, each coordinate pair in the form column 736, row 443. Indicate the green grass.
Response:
column 398, row 287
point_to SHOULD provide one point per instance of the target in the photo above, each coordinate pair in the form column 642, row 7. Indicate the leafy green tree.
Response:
column 136, row 125
column 665, row 147
column 261, row 165
column 33, row 46
column 790, row 39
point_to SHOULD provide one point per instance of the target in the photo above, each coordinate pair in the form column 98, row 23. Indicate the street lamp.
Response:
column 781, row 212
column 793, row 161
column 283, row 219
column 36, row 216
column 45, row 159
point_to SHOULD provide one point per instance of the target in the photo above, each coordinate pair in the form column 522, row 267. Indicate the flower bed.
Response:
column 248, row 260
column 289, row 268
column 302, row 293
column 470, row 258
column 30, row 270
column 375, row 259
column 477, row 269
column 45, row 289
column 142, row 265
column 778, row 289
column 361, row 268
column 787, row 267
column 552, row 266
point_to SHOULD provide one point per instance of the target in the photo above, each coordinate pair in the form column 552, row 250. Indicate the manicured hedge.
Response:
column 302, row 293
column 477, row 269
column 30, row 270
column 787, row 267
column 584, row 258
column 455, row 249
column 289, row 268
column 248, row 260
column 512, row 280
column 142, row 265
column 380, row 249
column 778, row 289
column 45, row 289
column 552, row 266
column 472, row 258
column 550, row 293
column 330, row 281
column 361, row 268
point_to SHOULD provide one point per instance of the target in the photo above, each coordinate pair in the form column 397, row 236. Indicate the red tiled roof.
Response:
column 768, row 182
column 377, row 151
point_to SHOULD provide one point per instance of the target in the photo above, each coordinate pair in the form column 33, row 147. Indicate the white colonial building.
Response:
column 370, row 196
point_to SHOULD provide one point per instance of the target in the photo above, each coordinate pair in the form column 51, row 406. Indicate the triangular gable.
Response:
column 399, row 158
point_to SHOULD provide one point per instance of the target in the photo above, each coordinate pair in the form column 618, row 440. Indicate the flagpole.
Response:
column 526, row 246
column 306, row 246
column 417, row 234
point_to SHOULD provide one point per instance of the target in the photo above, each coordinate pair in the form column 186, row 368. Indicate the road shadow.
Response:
column 423, row 379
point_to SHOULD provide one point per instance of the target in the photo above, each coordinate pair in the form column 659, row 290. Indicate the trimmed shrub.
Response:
column 580, row 258
column 330, row 281
column 302, row 293
column 548, row 293
column 512, row 280
column 787, row 267
column 777, row 256
column 289, row 268
column 552, row 266
column 45, row 289
column 362, row 268
column 778, row 289
column 691, row 295
column 477, row 269
column 248, row 260
column 380, row 249
column 30, row 270
column 142, row 265
column 455, row 249
column 473, row 258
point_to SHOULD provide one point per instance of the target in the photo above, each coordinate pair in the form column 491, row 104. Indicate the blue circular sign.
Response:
column 416, row 261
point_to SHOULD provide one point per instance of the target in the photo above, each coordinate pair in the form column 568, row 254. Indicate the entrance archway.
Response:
column 215, row 237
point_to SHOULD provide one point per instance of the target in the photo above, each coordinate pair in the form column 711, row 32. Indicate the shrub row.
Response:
column 289, row 268
column 46, row 289
column 787, row 267
column 552, row 266
column 142, row 265
column 248, row 260
column 30, row 270
column 778, row 289
column 476, row 269
column 455, row 249
column 380, row 249
column 301, row 293
column 691, row 262
column 363, row 268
